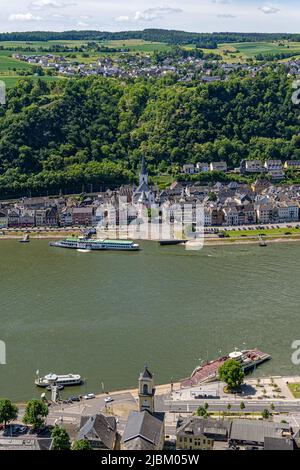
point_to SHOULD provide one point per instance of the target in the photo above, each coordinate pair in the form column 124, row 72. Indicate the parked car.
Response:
column 89, row 396
column 108, row 399
column 73, row 398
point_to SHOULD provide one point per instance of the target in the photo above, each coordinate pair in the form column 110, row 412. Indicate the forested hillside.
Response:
column 94, row 131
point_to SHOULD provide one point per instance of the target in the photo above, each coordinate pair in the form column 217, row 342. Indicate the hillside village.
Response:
column 127, row 65
column 133, row 66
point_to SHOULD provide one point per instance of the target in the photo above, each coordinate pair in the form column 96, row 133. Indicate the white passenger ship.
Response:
column 54, row 379
column 82, row 243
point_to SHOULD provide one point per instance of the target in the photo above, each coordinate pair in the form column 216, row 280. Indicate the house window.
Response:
column 145, row 389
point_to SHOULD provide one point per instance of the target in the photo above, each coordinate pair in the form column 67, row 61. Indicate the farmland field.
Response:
column 250, row 49
column 239, row 52
column 8, row 63
column 137, row 45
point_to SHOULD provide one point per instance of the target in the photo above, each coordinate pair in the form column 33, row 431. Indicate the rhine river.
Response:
column 104, row 315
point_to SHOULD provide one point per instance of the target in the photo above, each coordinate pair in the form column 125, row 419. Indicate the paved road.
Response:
column 221, row 405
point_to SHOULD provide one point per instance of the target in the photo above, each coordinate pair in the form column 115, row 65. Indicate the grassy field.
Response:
column 162, row 181
column 295, row 389
column 8, row 63
column 35, row 44
column 136, row 45
column 240, row 52
column 277, row 232
column 11, row 80
column 250, row 50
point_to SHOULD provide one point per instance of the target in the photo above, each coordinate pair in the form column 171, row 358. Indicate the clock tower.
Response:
column 146, row 391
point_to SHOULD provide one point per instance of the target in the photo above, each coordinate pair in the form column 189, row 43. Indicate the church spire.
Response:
column 143, row 169
column 144, row 172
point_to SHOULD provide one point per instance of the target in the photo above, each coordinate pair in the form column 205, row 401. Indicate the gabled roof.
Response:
column 144, row 429
column 98, row 428
column 256, row 431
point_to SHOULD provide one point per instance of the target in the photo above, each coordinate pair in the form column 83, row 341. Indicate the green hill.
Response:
column 66, row 134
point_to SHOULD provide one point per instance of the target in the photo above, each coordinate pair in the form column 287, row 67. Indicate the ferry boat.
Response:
column 249, row 359
column 82, row 243
column 54, row 379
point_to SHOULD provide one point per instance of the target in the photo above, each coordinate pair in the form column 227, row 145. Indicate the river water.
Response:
column 104, row 315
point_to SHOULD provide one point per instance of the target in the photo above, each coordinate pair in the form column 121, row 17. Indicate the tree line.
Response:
column 204, row 40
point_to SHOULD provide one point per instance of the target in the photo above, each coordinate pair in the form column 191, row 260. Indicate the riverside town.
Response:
column 149, row 231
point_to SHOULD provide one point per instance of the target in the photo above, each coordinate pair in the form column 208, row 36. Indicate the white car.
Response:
column 89, row 396
column 108, row 399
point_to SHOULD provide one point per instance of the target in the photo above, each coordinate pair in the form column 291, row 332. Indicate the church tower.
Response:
column 144, row 173
column 146, row 391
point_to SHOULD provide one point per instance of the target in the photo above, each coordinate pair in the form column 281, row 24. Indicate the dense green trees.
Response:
column 8, row 411
column 231, row 372
column 92, row 132
column 61, row 439
column 35, row 413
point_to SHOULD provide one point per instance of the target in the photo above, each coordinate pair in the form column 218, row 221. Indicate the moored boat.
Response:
column 208, row 372
column 262, row 242
column 67, row 380
column 91, row 244
column 172, row 242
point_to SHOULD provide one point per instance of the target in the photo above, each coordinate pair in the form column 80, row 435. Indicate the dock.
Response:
column 250, row 359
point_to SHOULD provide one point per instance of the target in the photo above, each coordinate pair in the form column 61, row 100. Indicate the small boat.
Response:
column 54, row 379
column 84, row 250
column 25, row 239
column 262, row 242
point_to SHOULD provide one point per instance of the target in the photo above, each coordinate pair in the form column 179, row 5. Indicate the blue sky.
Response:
column 117, row 15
